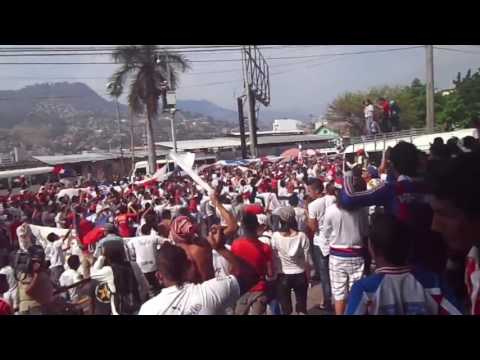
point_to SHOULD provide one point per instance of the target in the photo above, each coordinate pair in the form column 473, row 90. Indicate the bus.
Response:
column 33, row 176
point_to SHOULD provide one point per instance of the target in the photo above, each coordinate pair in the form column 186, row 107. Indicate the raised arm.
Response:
column 245, row 275
column 229, row 218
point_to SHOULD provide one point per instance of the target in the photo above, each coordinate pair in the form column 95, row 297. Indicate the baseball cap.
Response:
column 254, row 209
column 285, row 213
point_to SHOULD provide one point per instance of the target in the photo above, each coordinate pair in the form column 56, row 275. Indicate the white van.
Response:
column 141, row 167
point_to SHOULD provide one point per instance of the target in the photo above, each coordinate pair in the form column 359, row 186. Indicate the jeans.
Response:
column 368, row 125
column 285, row 284
column 322, row 268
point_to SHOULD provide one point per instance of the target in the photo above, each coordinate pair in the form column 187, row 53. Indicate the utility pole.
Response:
column 120, row 134
column 172, row 113
column 241, row 121
column 430, row 89
column 132, row 137
column 251, row 113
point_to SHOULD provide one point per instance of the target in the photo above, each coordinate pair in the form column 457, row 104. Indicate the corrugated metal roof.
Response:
column 75, row 158
column 229, row 142
column 284, row 139
column 224, row 142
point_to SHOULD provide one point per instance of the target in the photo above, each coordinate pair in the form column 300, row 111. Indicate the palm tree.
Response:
column 148, row 67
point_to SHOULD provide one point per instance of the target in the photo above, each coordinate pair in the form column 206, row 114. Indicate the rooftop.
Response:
column 75, row 158
column 229, row 142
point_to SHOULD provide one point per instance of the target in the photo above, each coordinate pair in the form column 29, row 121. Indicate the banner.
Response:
column 68, row 192
column 41, row 233
column 186, row 161
column 159, row 176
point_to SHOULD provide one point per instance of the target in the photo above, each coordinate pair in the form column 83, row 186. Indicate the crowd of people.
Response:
column 382, row 117
column 398, row 237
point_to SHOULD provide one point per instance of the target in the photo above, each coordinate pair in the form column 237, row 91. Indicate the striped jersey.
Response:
column 401, row 291
column 405, row 198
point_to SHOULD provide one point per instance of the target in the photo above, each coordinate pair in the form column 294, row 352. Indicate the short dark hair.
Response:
column 3, row 283
column 331, row 188
column 470, row 142
column 250, row 223
column 404, row 157
column 389, row 238
column 184, row 211
column 73, row 262
column 52, row 237
column 293, row 200
column 145, row 229
column 316, row 184
column 456, row 180
column 172, row 262
column 166, row 214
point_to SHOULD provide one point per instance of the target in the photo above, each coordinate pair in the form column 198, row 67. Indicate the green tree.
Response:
column 147, row 67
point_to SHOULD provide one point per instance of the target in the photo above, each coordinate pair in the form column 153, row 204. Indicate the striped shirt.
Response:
column 401, row 291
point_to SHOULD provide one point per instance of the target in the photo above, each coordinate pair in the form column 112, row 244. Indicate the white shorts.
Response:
column 344, row 272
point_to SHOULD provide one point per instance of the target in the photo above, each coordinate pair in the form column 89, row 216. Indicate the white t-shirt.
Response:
column 291, row 254
column 369, row 110
column 54, row 253
column 221, row 266
column 11, row 295
column 316, row 210
column 345, row 229
column 270, row 200
column 208, row 298
column 227, row 207
column 301, row 217
column 70, row 277
column 143, row 249
column 282, row 191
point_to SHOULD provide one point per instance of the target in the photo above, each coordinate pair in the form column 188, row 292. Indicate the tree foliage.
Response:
column 148, row 68
column 458, row 109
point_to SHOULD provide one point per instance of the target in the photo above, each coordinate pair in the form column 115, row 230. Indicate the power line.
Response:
column 225, row 60
column 109, row 51
column 456, row 50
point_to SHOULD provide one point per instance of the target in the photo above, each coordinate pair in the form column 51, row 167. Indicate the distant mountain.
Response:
column 57, row 100
column 67, row 100
column 207, row 108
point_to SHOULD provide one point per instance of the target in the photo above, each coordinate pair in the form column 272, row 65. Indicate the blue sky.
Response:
column 306, row 85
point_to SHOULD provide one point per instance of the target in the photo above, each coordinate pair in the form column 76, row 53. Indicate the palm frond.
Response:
column 178, row 61
column 129, row 54
column 135, row 98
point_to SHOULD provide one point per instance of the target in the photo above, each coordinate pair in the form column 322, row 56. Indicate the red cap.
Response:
column 253, row 209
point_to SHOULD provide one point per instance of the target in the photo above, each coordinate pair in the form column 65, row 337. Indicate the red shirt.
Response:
column 257, row 255
column 264, row 186
column 192, row 206
column 123, row 221
column 274, row 185
column 5, row 308
column 386, row 108
column 93, row 236
column 84, row 227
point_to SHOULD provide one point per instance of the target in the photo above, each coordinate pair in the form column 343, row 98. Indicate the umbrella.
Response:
column 291, row 153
